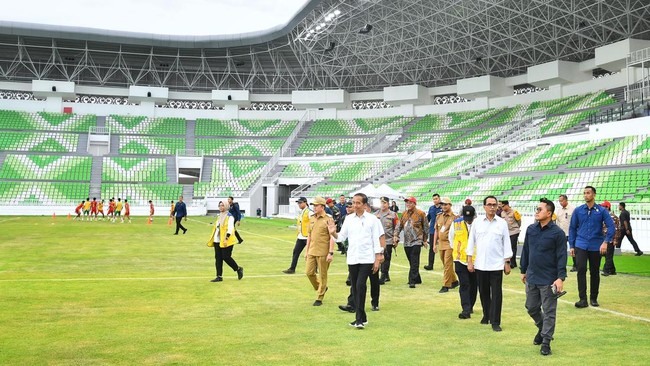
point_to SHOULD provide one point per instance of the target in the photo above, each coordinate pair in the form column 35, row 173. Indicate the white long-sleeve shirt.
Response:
column 363, row 234
column 492, row 242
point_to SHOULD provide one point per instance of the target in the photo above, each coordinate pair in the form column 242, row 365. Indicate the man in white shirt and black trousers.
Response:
column 489, row 235
column 365, row 254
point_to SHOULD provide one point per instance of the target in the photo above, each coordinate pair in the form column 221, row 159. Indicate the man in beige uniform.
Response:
column 563, row 220
column 320, row 249
column 444, row 221
column 513, row 218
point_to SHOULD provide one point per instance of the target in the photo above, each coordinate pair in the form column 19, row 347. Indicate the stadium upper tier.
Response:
column 46, row 167
column 242, row 127
column 238, row 147
column 42, row 193
column 39, row 141
column 358, row 126
column 145, row 145
column 44, row 121
column 140, row 194
column 141, row 125
column 338, row 171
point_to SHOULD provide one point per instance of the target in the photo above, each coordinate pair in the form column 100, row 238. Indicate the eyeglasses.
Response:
column 491, row 205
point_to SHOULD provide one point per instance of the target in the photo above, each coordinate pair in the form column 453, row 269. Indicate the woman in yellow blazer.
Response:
column 223, row 239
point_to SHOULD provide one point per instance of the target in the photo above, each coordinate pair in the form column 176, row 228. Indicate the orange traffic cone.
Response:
column 149, row 221
column 169, row 222
column 69, row 217
column 53, row 215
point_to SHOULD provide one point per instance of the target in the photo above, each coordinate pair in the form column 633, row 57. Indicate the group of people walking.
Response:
column 476, row 251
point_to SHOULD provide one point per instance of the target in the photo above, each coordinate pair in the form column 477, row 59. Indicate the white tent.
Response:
column 368, row 190
column 385, row 190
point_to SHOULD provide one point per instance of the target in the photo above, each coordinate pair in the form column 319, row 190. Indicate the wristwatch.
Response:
column 331, row 253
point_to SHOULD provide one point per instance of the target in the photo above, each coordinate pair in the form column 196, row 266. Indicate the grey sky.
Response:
column 177, row 17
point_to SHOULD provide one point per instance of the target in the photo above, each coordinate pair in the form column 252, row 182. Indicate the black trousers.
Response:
column 223, row 255
column 239, row 239
column 374, row 290
column 179, row 225
column 489, row 286
column 413, row 255
column 468, row 287
column 432, row 254
column 513, row 243
column 359, row 274
column 582, row 256
column 609, row 266
column 632, row 241
column 297, row 249
column 385, row 267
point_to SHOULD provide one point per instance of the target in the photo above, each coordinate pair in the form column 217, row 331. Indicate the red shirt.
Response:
column 79, row 207
column 151, row 209
column 127, row 208
column 93, row 205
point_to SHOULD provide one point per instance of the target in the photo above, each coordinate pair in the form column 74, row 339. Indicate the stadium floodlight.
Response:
column 365, row 29
column 318, row 27
column 337, row 12
column 323, row 25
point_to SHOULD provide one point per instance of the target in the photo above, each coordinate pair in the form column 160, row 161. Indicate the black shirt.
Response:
column 543, row 259
column 624, row 217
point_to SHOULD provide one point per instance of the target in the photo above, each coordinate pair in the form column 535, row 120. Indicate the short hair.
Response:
column 342, row 196
column 364, row 198
column 230, row 198
column 505, row 202
column 550, row 206
column 488, row 197
column 436, row 195
column 592, row 189
column 564, row 196
column 622, row 204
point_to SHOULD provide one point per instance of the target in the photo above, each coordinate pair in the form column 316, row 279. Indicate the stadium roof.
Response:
column 357, row 45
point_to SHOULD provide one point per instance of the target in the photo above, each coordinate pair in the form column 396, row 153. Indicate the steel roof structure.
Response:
column 356, row 45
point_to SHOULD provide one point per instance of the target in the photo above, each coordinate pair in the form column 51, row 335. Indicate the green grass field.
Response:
column 94, row 293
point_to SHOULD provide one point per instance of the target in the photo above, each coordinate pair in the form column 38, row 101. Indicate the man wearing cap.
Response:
column 458, row 234
column 389, row 221
column 365, row 254
column 320, row 249
column 543, row 271
column 302, row 224
column 414, row 225
column 513, row 218
column 444, row 221
column 434, row 211
column 333, row 210
column 609, row 268
column 489, row 252
column 587, row 243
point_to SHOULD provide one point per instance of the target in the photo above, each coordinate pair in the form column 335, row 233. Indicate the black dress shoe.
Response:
column 581, row 304
column 485, row 321
column 375, row 308
column 217, row 279
column 382, row 281
column 545, row 350
column 240, row 273
column 289, row 271
column 184, row 231
column 604, row 274
column 348, row 308
column 638, row 254
column 318, row 303
column 411, row 285
column 443, row 290
column 428, row 268
column 464, row 315
column 573, row 269
column 594, row 303
column 454, row 284
column 496, row 327
column 538, row 338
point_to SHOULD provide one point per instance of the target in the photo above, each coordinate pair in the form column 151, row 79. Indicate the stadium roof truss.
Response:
column 426, row 42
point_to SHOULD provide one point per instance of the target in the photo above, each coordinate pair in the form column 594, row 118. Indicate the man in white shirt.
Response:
column 490, row 237
column 365, row 254
column 564, row 219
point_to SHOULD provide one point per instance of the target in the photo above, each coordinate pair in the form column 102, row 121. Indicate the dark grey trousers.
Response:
column 542, row 305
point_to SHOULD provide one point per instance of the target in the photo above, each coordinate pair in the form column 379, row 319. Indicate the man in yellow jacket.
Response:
column 302, row 224
column 458, row 237
column 223, row 239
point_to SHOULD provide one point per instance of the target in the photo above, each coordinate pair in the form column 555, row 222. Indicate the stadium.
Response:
column 517, row 99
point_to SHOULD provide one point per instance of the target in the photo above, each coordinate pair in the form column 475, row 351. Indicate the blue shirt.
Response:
column 543, row 259
column 180, row 210
column 586, row 228
column 342, row 210
column 431, row 216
